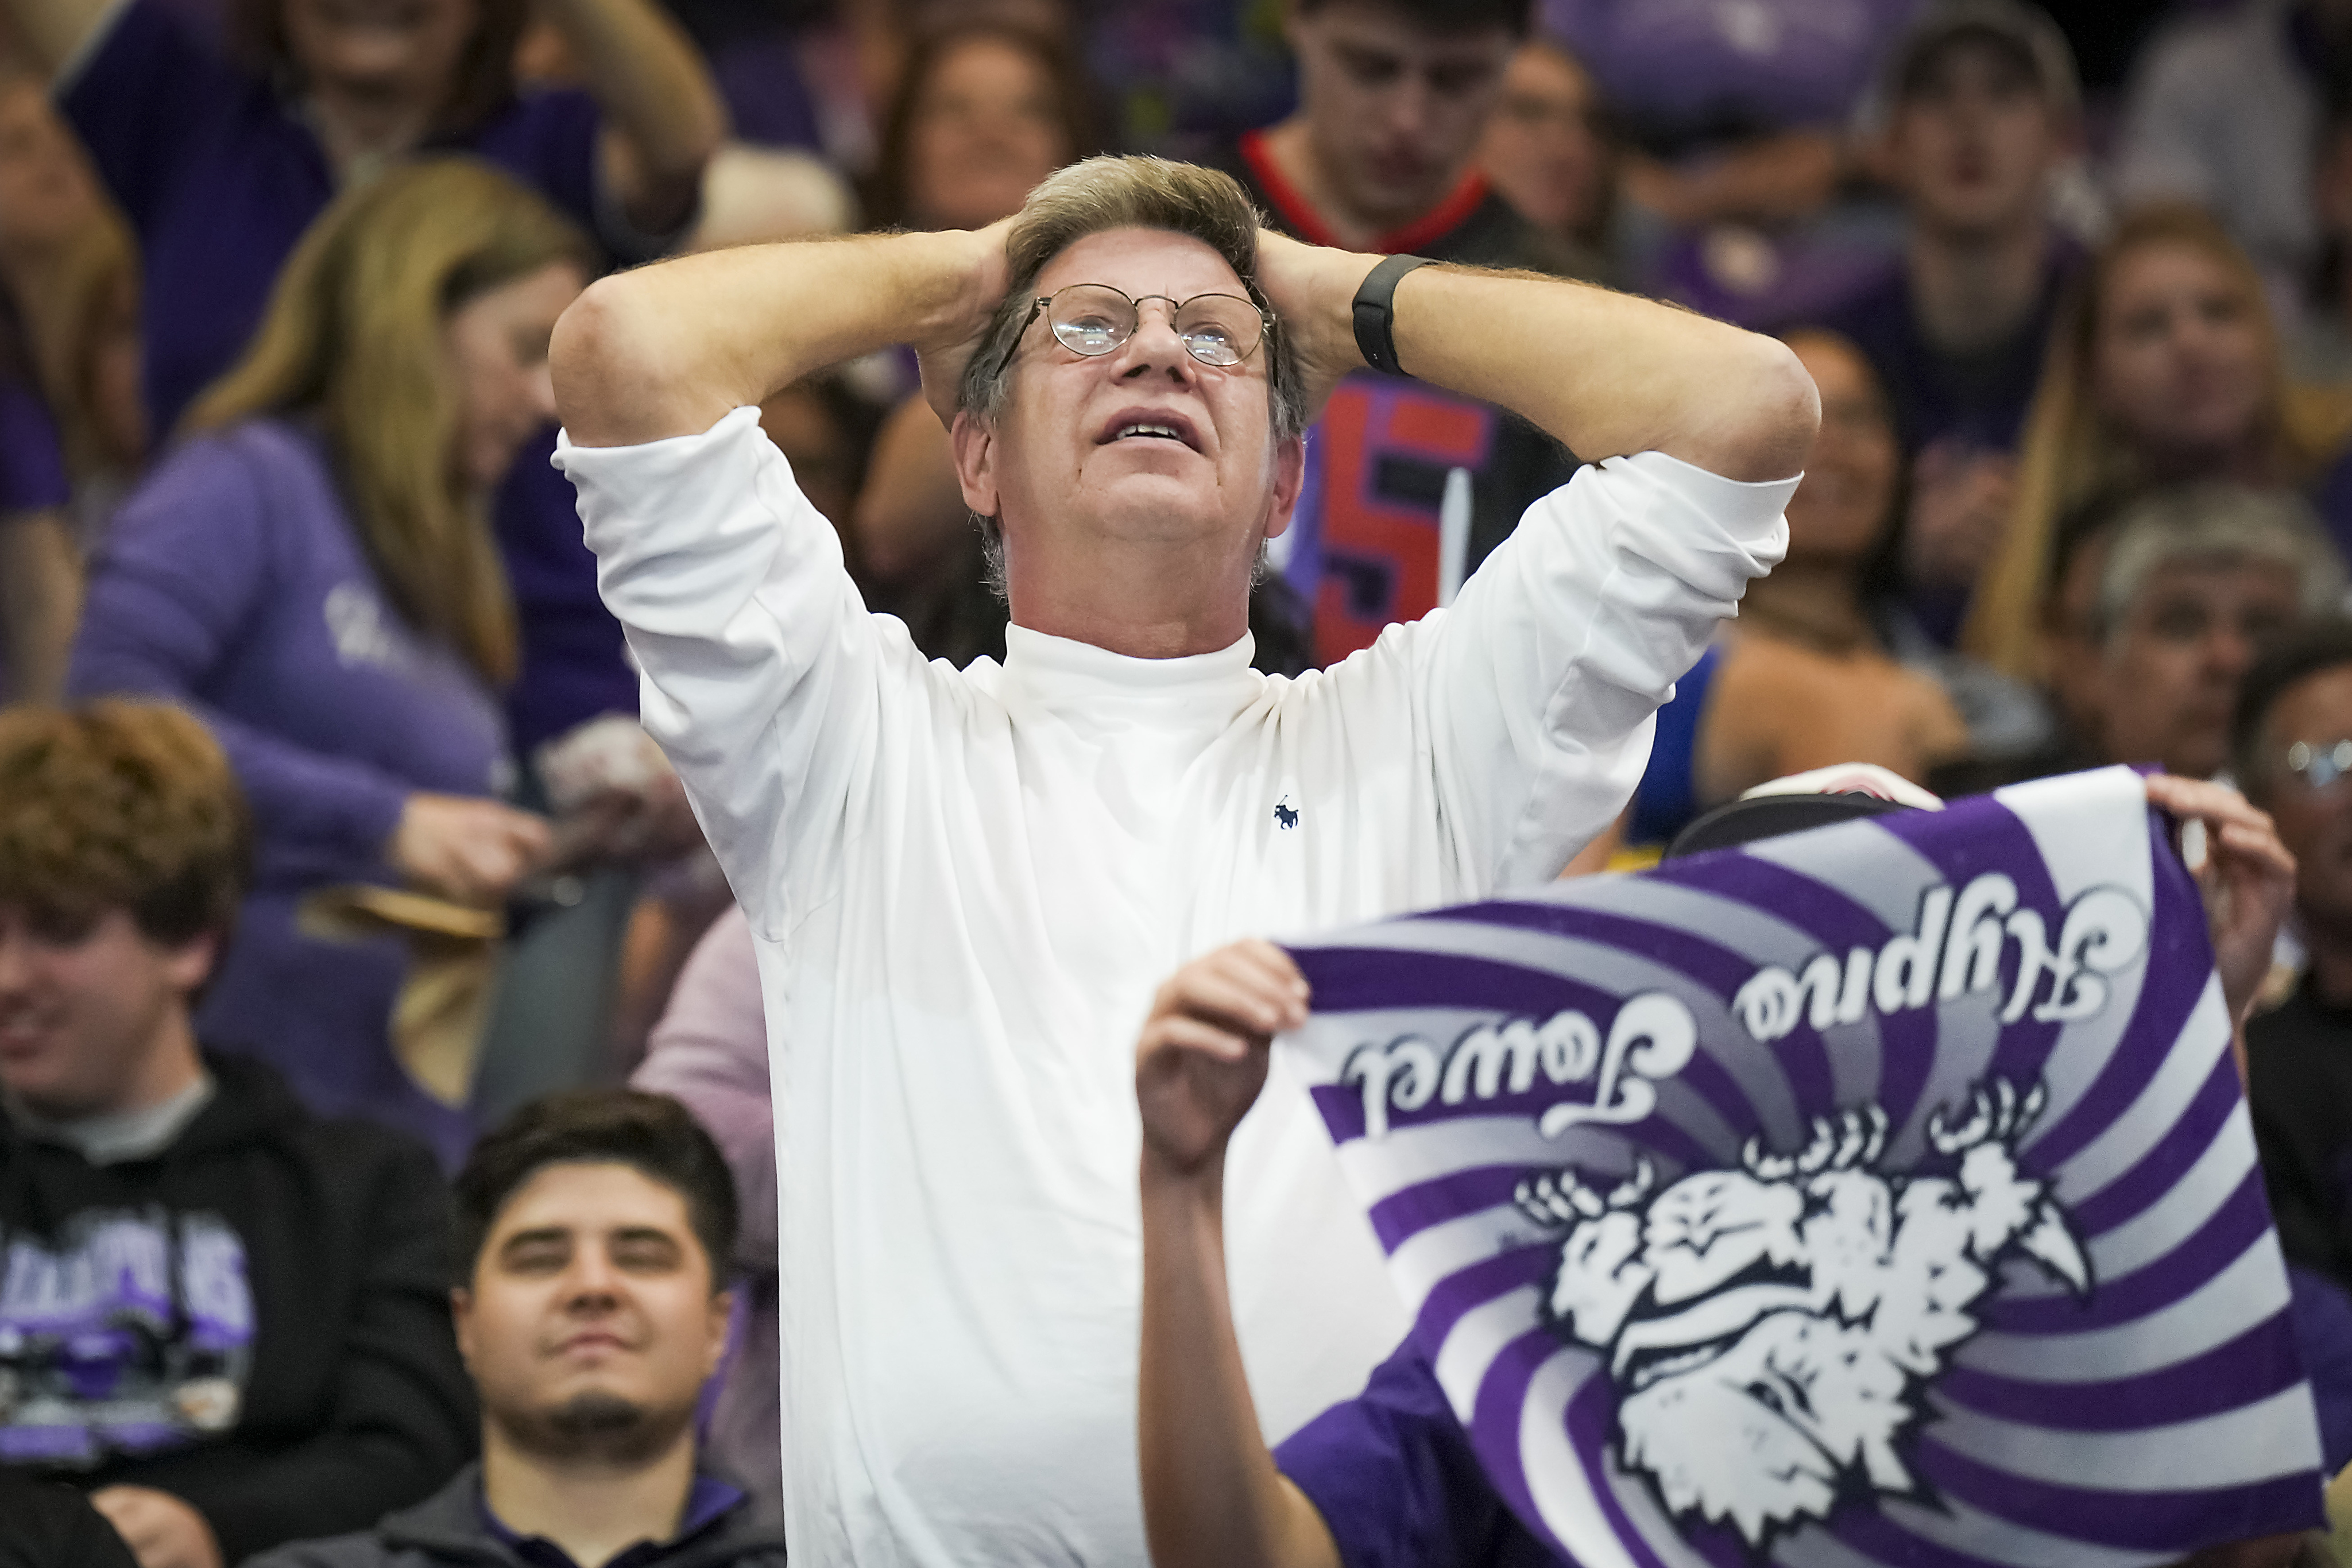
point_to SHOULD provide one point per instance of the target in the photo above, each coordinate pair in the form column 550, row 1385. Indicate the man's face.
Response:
column 1058, row 470
column 84, row 1014
column 2316, row 825
column 2171, row 671
column 1393, row 111
column 1975, row 142
column 590, row 1325
column 1543, row 148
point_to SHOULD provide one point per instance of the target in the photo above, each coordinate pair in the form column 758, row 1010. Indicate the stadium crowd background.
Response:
column 277, row 279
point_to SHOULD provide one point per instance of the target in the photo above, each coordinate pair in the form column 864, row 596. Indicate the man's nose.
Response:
column 1154, row 342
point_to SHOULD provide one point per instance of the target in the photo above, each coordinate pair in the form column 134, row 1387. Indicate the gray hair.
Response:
column 2218, row 521
column 1104, row 194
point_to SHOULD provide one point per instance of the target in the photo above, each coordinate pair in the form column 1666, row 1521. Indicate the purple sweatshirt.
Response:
column 234, row 582
column 220, row 175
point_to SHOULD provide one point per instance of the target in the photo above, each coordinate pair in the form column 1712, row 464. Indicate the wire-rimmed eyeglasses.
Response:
column 1094, row 318
column 2319, row 766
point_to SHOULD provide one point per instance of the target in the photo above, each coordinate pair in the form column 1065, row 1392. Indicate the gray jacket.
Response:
column 446, row 1531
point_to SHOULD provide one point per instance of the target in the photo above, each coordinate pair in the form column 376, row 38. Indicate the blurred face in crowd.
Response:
column 46, row 193
column 1074, row 456
column 495, row 347
column 2315, row 824
column 986, row 129
column 91, row 1019
column 2180, row 360
column 1393, row 111
column 1543, row 148
column 1848, row 493
column 590, row 1322
column 405, row 51
column 1975, row 141
column 2171, row 668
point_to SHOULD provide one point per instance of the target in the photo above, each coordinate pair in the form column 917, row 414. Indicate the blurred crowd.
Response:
column 277, row 279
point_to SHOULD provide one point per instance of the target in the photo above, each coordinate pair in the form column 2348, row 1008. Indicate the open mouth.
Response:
column 1151, row 425
column 1665, row 1341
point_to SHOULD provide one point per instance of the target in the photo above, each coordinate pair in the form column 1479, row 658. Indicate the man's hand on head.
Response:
column 162, row 1530
column 948, row 346
column 2246, row 877
column 1312, row 290
column 1202, row 1058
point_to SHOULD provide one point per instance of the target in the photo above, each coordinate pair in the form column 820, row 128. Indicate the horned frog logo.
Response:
column 1771, row 1331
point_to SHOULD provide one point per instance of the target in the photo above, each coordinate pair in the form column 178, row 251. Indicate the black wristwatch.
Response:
column 1375, row 313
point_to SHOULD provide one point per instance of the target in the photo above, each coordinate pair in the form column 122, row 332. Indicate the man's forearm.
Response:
column 1213, row 1497
column 668, row 349
column 1609, row 374
column 656, row 96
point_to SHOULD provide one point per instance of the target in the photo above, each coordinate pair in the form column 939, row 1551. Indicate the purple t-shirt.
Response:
column 1392, row 1474
column 233, row 582
column 220, row 175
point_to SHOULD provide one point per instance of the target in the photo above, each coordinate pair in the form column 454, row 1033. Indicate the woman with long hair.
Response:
column 2165, row 368
column 313, row 572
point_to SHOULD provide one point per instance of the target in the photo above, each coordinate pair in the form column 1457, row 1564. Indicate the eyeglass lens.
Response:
column 2320, row 766
column 1095, row 319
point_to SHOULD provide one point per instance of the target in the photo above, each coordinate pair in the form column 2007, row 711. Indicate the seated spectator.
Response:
column 1551, row 151
column 2165, row 369
column 2224, row 107
column 1805, row 678
column 1981, row 113
column 984, row 111
column 313, row 574
column 2290, row 733
column 593, row 1308
column 2163, row 601
column 1389, row 1477
column 222, row 1318
column 1380, row 153
column 711, row 1051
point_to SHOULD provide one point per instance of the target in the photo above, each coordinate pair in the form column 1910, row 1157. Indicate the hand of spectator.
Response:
column 161, row 1530
column 1201, row 1057
column 951, row 340
column 2246, row 877
column 468, row 850
column 1960, row 503
column 1312, row 290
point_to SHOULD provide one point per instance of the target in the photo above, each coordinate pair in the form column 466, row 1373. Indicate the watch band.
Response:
column 1375, row 313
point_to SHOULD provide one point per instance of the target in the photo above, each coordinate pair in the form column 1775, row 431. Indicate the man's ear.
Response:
column 188, row 966
column 461, row 1317
column 1289, row 479
column 975, row 461
column 722, row 1311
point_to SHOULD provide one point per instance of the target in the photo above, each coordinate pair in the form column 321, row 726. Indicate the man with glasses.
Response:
column 964, row 885
column 2293, row 753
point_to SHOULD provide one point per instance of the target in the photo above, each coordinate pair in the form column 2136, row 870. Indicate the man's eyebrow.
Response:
column 535, row 1237
column 644, row 1233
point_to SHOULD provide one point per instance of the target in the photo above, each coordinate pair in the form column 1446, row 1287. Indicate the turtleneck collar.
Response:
column 1070, row 676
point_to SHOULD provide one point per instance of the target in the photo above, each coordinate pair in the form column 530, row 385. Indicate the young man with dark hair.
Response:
column 222, row 1317
column 1381, row 155
column 963, row 884
column 2294, row 754
column 594, row 1310
column 1982, row 110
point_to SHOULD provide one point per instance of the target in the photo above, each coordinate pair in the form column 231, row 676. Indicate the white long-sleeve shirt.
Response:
column 966, row 884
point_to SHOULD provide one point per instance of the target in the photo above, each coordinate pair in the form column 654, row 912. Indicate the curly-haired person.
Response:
column 222, row 1317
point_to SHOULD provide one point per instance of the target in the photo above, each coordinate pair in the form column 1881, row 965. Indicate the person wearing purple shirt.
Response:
column 323, row 592
column 221, row 162
column 1982, row 112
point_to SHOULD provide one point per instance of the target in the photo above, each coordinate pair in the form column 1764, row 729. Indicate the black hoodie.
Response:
column 255, row 1321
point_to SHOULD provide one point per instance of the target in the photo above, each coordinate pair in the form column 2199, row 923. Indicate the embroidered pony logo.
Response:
column 1771, row 1331
column 1286, row 813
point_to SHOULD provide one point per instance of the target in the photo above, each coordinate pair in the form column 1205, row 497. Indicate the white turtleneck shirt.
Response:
column 966, row 884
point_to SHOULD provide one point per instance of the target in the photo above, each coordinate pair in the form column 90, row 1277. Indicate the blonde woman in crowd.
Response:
column 313, row 573
column 2166, row 369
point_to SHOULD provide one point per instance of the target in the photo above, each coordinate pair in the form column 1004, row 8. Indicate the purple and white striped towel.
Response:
column 1881, row 1194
